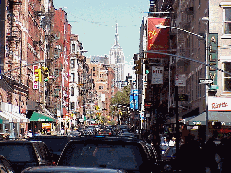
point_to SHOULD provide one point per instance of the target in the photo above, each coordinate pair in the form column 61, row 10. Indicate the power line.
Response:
column 214, row 67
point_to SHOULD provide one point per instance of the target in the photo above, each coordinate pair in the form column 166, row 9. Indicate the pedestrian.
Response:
column 210, row 151
column 189, row 158
column 225, row 152
column 30, row 134
column 172, row 142
column 62, row 131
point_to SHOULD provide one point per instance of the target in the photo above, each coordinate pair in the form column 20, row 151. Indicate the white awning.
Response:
column 16, row 118
column 4, row 117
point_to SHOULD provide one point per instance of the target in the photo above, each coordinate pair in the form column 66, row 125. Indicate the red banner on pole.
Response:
column 158, row 39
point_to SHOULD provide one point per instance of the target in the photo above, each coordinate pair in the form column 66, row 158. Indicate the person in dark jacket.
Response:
column 224, row 151
column 210, row 151
column 189, row 158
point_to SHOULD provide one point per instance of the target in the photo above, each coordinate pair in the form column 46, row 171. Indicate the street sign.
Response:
column 180, row 80
column 205, row 81
column 181, row 97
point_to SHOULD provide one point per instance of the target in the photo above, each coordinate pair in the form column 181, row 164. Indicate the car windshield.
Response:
column 109, row 156
column 17, row 153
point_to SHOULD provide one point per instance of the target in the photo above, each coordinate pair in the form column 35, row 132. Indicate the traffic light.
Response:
column 37, row 75
column 46, row 74
column 138, row 67
column 147, row 70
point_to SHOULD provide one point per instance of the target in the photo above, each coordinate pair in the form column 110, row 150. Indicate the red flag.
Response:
column 158, row 39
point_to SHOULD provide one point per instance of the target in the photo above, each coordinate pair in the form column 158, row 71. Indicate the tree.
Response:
column 120, row 98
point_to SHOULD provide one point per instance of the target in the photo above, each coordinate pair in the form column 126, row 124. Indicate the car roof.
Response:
column 69, row 169
column 15, row 142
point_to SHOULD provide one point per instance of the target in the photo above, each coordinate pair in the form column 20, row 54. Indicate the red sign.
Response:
column 158, row 39
column 35, row 82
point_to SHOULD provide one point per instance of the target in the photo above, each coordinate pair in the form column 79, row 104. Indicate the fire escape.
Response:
column 13, row 56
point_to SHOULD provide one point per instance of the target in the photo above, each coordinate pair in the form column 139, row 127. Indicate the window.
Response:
column 72, row 105
column 72, row 63
column 72, row 77
column 93, row 68
column 100, row 87
column 56, row 72
column 227, row 20
column 72, row 91
column 73, row 47
column 227, row 78
column 93, row 74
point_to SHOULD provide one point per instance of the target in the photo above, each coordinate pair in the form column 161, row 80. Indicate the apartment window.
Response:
column 72, row 91
column 227, row 20
column 72, row 105
column 100, row 87
column 93, row 68
column 93, row 74
column 72, row 64
column 56, row 72
column 72, row 77
column 73, row 47
column 226, row 77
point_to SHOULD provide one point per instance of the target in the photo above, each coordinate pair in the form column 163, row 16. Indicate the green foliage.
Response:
column 122, row 97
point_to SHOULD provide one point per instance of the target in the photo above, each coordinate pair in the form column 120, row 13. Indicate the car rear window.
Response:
column 55, row 145
column 17, row 153
column 102, row 155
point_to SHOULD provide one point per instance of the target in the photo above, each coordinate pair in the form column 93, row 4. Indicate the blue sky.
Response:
column 94, row 21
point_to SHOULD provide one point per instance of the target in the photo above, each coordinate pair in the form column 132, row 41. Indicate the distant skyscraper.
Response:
column 116, row 60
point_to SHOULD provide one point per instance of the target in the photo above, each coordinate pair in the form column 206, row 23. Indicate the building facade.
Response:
column 116, row 60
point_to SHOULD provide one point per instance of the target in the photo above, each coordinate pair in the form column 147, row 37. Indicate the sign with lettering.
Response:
column 219, row 104
column 213, row 57
column 180, row 80
column 157, row 74
column 205, row 81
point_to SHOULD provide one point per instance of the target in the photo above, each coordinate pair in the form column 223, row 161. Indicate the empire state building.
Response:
column 116, row 60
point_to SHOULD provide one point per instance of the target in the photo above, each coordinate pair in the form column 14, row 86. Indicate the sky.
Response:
column 95, row 20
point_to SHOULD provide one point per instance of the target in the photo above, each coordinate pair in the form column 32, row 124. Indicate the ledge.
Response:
column 226, row 36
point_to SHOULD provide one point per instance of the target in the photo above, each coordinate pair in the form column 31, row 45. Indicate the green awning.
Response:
column 1, row 121
column 40, row 117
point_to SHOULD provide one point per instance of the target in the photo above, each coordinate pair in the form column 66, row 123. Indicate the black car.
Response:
column 55, row 144
column 168, row 161
column 52, row 169
column 5, row 165
column 23, row 154
column 107, row 152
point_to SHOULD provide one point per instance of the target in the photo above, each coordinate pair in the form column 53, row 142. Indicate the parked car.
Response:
column 23, row 154
column 5, row 165
column 105, row 132
column 55, row 144
column 107, row 152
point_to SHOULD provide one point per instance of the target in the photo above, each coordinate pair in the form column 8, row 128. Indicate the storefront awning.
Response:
column 3, row 118
column 40, row 117
column 224, row 117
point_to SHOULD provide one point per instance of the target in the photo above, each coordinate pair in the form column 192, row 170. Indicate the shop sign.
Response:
column 196, row 122
column 213, row 57
column 219, row 104
column 157, row 74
